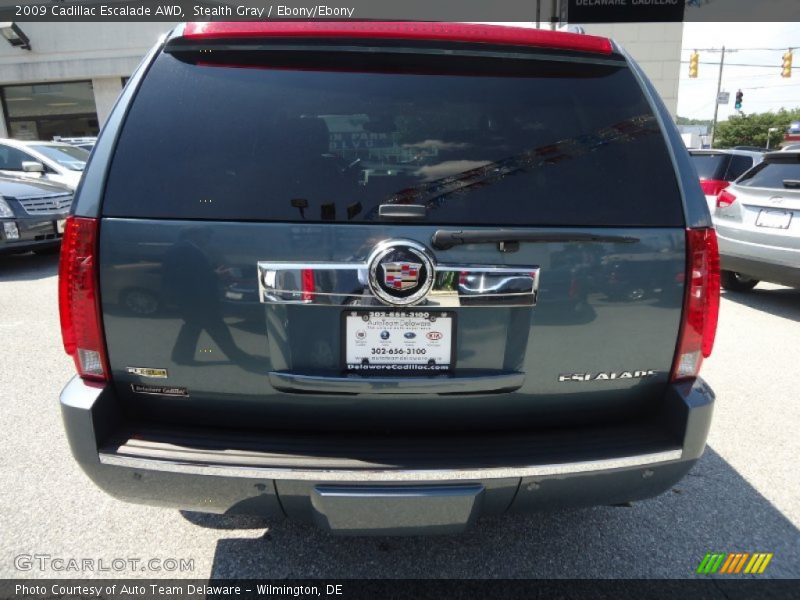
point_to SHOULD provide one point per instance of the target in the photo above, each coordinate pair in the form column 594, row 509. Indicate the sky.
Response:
column 763, row 87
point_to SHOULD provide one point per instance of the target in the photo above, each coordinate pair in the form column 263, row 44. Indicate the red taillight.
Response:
column 712, row 187
column 700, row 304
column 307, row 284
column 79, row 301
column 406, row 30
column 725, row 198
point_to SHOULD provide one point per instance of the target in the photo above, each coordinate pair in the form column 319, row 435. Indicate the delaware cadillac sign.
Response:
column 625, row 11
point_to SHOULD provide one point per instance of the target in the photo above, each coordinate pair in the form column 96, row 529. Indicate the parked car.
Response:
column 32, row 215
column 790, row 148
column 53, row 162
column 758, row 149
column 403, row 370
column 86, row 142
column 717, row 168
column 758, row 224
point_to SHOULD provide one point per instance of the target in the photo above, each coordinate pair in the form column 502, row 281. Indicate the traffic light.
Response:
column 739, row 96
column 787, row 64
column 694, row 60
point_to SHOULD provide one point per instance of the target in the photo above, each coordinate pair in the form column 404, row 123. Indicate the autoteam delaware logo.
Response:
column 401, row 272
column 734, row 563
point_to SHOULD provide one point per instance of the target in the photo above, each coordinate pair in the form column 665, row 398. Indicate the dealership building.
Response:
column 66, row 83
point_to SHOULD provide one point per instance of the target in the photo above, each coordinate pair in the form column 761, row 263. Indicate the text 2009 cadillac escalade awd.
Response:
column 387, row 277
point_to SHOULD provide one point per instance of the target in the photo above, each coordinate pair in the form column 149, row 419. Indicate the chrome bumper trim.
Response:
column 346, row 284
column 354, row 384
column 376, row 475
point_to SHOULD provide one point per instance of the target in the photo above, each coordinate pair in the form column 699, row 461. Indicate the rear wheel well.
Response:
column 737, row 282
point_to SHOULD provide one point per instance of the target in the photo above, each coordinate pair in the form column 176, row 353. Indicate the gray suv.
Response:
column 397, row 276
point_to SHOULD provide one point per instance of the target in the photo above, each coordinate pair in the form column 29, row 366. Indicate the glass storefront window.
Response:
column 45, row 110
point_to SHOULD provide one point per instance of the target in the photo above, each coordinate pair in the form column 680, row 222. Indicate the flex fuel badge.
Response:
column 160, row 390
column 148, row 372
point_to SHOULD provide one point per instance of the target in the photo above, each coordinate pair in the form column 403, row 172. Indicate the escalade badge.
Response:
column 606, row 376
column 400, row 272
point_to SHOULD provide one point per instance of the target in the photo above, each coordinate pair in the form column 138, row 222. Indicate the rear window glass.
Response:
column 738, row 165
column 710, row 166
column 773, row 175
column 542, row 146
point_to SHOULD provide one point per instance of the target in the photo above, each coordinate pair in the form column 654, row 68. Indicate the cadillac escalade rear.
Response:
column 388, row 277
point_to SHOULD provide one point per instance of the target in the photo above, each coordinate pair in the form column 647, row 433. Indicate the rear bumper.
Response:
column 765, row 263
column 359, row 489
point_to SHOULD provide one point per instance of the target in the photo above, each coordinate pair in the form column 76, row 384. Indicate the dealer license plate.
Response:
column 777, row 219
column 398, row 342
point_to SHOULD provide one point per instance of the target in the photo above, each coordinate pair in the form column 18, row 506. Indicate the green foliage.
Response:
column 686, row 121
column 751, row 130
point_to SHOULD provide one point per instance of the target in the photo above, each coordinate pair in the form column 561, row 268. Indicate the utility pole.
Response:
column 770, row 131
column 716, row 98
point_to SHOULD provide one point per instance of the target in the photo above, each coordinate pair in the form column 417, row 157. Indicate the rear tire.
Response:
column 736, row 282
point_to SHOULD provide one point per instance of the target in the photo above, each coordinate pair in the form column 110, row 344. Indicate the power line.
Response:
column 761, row 76
column 786, row 102
column 764, row 87
column 716, row 64
column 696, row 108
column 781, row 49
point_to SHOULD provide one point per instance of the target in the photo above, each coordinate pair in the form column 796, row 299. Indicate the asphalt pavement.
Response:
column 742, row 496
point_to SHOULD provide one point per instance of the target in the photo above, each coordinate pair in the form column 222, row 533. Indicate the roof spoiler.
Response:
column 399, row 30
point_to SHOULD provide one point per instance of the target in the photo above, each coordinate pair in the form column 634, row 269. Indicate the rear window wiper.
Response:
column 508, row 240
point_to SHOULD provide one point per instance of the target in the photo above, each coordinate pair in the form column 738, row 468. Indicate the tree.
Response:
column 751, row 130
column 686, row 121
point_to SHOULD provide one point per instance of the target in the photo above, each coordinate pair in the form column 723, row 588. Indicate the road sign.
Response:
column 723, row 97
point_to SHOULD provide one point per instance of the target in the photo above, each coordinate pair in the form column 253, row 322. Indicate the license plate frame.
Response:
column 414, row 323
column 767, row 218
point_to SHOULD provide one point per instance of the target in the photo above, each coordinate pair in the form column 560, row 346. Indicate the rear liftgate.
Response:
column 398, row 336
